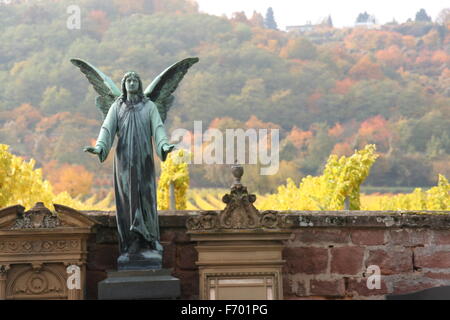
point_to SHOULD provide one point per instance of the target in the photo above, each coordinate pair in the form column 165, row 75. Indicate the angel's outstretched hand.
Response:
column 93, row 150
column 168, row 148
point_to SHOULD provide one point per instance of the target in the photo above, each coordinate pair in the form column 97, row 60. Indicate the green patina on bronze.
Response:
column 135, row 115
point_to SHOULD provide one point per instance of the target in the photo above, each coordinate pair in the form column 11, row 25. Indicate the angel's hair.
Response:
column 127, row 75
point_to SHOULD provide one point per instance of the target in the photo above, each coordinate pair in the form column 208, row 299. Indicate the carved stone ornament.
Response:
column 36, row 246
column 239, row 213
column 37, row 217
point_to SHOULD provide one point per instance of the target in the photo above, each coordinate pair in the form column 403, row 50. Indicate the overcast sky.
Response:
column 343, row 12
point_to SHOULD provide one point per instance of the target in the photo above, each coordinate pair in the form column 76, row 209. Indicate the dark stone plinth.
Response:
column 145, row 260
column 139, row 285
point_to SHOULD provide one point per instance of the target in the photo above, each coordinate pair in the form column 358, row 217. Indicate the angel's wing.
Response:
column 161, row 89
column 103, row 85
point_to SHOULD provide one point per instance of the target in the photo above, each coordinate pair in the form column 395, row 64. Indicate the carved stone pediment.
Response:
column 40, row 217
column 36, row 249
column 239, row 213
column 37, row 217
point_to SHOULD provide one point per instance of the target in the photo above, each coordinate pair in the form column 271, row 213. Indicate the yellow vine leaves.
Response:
column 21, row 183
column 174, row 170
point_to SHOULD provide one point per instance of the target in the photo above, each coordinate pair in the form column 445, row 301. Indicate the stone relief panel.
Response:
column 36, row 282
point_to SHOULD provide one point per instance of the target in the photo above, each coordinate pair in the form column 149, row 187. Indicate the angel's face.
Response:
column 132, row 85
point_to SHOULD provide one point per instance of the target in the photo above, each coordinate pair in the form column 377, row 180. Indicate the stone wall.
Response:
column 326, row 257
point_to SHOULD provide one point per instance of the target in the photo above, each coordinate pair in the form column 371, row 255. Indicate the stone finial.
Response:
column 239, row 213
column 238, row 171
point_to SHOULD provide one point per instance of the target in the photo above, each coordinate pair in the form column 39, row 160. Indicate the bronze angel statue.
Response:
column 135, row 115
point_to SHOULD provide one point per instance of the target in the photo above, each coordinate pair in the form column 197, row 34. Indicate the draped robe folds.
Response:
column 134, row 172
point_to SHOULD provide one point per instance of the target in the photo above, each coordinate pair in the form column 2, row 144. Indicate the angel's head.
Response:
column 131, row 83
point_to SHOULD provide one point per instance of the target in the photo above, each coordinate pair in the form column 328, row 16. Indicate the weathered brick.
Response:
column 426, row 257
column 168, row 235
column 347, row 260
column 328, row 288
column 182, row 236
column 306, row 260
column 175, row 235
column 368, row 237
column 438, row 275
column 410, row 286
column 410, row 237
column 169, row 255
column 322, row 235
column 292, row 285
column 441, row 237
column 106, row 235
column 391, row 261
column 358, row 286
column 189, row 283
column 102, row 257
column 186, row 257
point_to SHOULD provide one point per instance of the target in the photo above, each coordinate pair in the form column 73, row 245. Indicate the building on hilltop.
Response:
column 300, row 29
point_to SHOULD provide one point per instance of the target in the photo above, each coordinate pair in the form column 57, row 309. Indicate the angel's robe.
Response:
column 134, row 172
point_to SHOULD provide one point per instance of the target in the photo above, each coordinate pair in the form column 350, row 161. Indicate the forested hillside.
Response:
column 328, row 90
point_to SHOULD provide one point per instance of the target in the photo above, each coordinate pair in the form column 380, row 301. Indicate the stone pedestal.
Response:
column 245, row 265
column 43, row 254
column 139, row 285
column 240, row 249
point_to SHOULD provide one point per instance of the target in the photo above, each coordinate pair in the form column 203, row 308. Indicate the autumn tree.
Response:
column 300, row 138
column 269, row 21
column 375, row 130
column 74, row 179
column 422, row 16
column 134, row 6
column 257, row 20
column 366, row 69
column 391, row 57
column 239, row 17
column 301, row 48
column 364, row 17
column 443, row 17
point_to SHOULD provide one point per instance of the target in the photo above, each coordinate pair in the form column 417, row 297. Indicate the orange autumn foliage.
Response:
column 74, row 179
column 51, row 122
column 299, row 138
column 225, row 123
column 342, row 149
column 312, row 102
column 101, row 22
column 363, row 39
column 366, row 69
column 336, row 131
column 409, row 42
column 24, row 116
column 375, row 130
column 255, row 123
column 343, row 86
column 440, row 56
column 391, row 56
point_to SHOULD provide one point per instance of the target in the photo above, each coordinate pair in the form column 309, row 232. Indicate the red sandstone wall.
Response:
column 326, row 256
column 332, row 262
